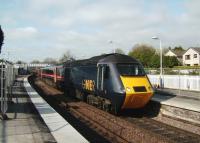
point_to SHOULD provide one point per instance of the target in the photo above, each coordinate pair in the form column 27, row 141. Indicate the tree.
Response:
column 170, row 62
column 20, row 62
column 50, row 61
column 119, row 51
column 1, row 38
column 66, row 56
column 155, row 61
column 143, row 53
column 178, row 48
column 35, row 62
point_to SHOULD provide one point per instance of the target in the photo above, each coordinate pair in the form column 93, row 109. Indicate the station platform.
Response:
column 181, row 104
column 182, row 99
column 31, row 119
column 23, row 124
column 181, row 93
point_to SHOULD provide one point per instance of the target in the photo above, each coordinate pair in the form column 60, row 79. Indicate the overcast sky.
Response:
column 36, row 29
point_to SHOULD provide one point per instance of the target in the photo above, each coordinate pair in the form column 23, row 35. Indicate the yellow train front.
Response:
column 115, row 79
column 138, row 91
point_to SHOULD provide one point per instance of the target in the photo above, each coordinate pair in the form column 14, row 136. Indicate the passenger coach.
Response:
column 53, row 75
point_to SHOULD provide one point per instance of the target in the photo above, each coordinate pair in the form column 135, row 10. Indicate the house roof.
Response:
column 197, row 49
column 178, row 52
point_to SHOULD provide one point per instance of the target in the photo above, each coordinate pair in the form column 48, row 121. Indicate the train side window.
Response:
column 106, row 72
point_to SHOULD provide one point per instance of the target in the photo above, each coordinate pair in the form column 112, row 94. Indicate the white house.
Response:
column 176, row 53
column 191, row 57
column 170, row 53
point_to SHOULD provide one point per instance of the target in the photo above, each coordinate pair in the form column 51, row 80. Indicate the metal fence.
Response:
column 7, row 77
column 183, row 79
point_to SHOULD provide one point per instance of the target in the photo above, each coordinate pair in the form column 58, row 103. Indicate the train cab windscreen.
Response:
column 130, row 70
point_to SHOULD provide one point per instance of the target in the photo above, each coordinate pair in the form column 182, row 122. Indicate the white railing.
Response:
column 183, row 82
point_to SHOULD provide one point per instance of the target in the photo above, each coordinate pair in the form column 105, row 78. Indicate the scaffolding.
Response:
column 7, row 77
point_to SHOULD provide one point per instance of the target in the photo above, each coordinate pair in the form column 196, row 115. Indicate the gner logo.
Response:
column 88, row 84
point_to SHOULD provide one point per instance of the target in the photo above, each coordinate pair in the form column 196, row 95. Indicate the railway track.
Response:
column 171, row 133
column 150, row 129
column 123, row 128
column 118, row 129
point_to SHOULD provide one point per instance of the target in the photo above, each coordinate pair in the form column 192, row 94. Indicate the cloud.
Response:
column 85, row 27
column 22, row 33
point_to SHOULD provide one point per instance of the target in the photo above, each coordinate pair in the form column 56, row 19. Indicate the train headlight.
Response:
column 128, row 89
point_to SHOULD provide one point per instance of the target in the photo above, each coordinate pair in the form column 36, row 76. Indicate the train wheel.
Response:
column 114, row 109
column 106, row 105
column 84, row 96
column 81, row 95
column 88, row 100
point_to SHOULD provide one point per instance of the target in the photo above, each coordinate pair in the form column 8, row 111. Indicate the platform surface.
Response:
column 62, row 131
column 24, row 124
column 181, row 99
column 182, row 93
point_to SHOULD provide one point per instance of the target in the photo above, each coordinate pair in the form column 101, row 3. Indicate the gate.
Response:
column 7, row 77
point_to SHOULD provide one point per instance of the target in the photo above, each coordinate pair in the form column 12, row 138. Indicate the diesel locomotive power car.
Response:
column 114, row 81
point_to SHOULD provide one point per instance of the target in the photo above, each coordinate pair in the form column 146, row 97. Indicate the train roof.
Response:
column 106, row 58
column 52, row 67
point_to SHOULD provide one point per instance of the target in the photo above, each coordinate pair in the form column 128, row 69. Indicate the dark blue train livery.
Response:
column 112, row 82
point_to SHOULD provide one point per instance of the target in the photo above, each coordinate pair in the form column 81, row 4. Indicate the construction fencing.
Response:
column 7, row 77
column 177, row 79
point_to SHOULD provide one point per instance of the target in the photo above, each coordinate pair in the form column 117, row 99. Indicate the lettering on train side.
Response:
column 88, row 84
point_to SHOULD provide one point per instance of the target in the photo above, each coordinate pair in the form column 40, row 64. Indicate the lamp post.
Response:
column 157, row 38
column 112, row 46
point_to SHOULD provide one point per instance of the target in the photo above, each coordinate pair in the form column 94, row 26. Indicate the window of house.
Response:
column 187, row 64
column 187, row 57
column 195, row 55
column 195, row 64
